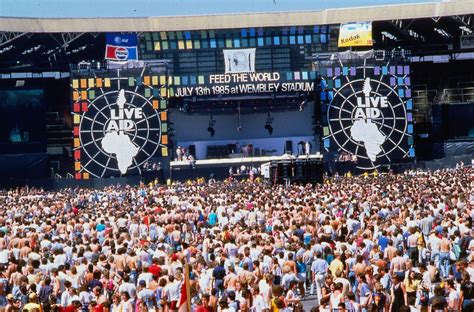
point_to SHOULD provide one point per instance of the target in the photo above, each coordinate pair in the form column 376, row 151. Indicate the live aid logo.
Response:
column 368, row 107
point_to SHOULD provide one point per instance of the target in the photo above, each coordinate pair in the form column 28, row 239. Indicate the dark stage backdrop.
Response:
column 22, row 121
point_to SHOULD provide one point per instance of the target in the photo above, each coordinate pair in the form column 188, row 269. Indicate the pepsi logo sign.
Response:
column 121, row 53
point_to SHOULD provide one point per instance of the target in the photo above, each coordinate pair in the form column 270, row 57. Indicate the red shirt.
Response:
column 155, row 270
column 202, row 308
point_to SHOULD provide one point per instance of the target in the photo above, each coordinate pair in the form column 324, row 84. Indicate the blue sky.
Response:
column 159, row 8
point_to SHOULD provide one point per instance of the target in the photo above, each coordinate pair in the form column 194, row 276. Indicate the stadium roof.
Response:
column 168, row 15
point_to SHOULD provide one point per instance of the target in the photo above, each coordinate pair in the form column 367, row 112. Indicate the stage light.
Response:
column 268, row 124
column 269, row 128
column 211, row 131
column 210, row 127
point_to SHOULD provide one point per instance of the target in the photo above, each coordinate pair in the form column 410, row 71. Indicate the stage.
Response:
column 219, row 169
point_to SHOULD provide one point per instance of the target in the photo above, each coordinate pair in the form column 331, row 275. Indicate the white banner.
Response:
column 239, row 60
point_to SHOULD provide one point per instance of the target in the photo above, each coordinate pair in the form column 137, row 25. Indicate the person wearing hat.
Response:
column 32, row 304
column 13, row 304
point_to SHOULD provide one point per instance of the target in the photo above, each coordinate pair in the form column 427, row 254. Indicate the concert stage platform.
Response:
column 219, row 168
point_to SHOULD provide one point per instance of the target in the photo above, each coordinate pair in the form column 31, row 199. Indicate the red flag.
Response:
column 184, row 304
column 183, row 298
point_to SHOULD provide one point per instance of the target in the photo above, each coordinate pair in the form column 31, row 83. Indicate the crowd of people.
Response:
column 357, row 244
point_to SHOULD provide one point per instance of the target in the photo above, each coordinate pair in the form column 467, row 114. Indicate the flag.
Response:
column 184, row 304
column 355, row 34
column 121, row 47
column 239, row 60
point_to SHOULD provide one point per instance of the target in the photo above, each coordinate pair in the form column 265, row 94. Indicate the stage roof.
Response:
column 167, row 15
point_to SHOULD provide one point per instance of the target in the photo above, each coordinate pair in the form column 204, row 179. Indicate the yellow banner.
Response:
column 355, row 35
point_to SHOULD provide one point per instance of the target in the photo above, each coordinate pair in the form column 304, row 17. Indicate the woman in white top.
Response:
column 336, row 297
column 292, row 299
column 453, row 296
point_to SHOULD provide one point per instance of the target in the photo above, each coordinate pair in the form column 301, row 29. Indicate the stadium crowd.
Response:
column 360, row 244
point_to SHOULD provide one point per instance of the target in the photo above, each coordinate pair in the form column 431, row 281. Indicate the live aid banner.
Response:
column 242, row 83
column 355, row 35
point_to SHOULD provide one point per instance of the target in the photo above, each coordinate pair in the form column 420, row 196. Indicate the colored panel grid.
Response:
column 164, row 116
column 325, row 131
column 157, row 46
column 77, row 119
column 77, row 165
column 164, row 139
column 408, row 93
column 91, row 94
column 77, row 154
column 98, row 82
column 410, row 104
column 155, row 104
column 85, row 176
column 147, row 92
column 76, row 131
column 164, row 151
column 162, row 80
column 189, row 44
column 77, row 143
column 181, row 45
column 76, row 107
column 401, row 92
column 83, row 95
column 75, row 83
column 84, row 106
column 91, row 82
column 163, row 104
column 154, row 80
column 107, row 82
column 78, row 176
column 164, row 127
column 163, row 92
column 146, row 80
column 83, row 83
column 75, row 95
column 326, row 143
column 131, row 81
column 156, row 92
column 410, row 128
column 412, row 152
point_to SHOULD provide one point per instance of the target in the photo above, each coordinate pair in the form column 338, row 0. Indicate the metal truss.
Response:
column 7, row 37
column 64, row 39
column 467, row 22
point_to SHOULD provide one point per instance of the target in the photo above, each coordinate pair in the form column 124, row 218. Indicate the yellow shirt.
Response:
column 336, row 266
column 413, row 286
